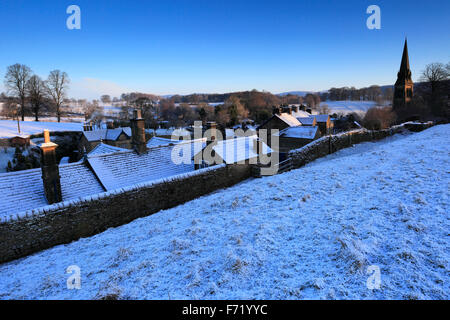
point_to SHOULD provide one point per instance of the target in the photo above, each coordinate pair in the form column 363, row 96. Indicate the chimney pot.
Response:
column 46, row 136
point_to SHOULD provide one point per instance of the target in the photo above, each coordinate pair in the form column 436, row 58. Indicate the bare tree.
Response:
column 56, row 87
column 36, row 91
column 16, row 79
column 434, row 73
column 105, row 98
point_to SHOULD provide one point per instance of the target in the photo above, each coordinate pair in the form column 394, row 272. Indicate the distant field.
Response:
column 8, row 128
column 349, row 106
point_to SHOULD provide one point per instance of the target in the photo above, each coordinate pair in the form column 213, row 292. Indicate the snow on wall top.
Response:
column 104, row 148
column 24, row 190
column 126, row 168
column 301, row 132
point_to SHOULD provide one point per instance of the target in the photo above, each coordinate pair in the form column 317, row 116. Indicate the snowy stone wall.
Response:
column 330, row 144
column 68, row 221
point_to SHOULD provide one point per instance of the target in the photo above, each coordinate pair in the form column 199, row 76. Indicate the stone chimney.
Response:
column 138, row 132
column 50, row 170
column 287, row 110
column 211, row 132
column 276, row 110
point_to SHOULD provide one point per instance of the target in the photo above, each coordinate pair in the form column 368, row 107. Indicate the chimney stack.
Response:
column 276, row 110
column 50, row 170
column 287, row 110
column 138, row 132
column 211, row 132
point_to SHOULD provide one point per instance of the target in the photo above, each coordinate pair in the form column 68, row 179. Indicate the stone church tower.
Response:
column 403, row 89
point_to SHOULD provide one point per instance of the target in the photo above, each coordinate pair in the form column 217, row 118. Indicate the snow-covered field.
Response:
column 8, row 128
column 306, row 234
column 345, row 107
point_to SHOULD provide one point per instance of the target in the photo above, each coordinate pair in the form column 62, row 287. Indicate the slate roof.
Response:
column 306, row 121
column 301, row 132
column 288, row 119
column 239, row 149
column 321, row 117
column 158, row 141
column 127, row 168
column 106, row 134
column 104, row 148
column 24, row 190
column 300, row 114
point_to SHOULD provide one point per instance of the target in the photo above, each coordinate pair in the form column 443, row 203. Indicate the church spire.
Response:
column 405, row 72
column 404, row 86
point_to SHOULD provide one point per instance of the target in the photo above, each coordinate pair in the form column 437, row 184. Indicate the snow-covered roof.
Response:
column 106, row 134
column 127, row 168
column 307, row 121
column 288, row 119
column 300, row 114
column 158, row 141
column 300, row 132
column 24, row 190
column 239, row 149
column 104, row 148
column 322, row 117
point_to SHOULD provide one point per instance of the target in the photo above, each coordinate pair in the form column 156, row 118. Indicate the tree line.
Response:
column 30, row 92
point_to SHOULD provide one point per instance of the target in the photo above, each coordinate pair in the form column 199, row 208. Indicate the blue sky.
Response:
column 168, row 47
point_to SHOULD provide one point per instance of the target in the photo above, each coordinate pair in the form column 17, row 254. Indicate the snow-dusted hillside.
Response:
column 8, row 128
column 308, row 233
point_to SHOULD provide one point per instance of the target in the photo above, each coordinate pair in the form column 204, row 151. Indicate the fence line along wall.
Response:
column 68, row 221
column 330, row 144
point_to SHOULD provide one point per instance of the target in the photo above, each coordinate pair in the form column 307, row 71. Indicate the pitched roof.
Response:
column 104, row 148
column 322, row 117
column 288, row 119
column 106, row 134
column 307, row 121
column 158, row 141
column 24, row 190
column 300, row 114
column 300, row 132
column 126, row 168
column 239, row 149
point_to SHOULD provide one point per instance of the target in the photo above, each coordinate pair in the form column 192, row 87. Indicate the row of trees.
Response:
column 372, row 93
column 25, row 87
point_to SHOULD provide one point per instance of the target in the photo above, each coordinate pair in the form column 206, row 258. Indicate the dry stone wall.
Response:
column 65, row 222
